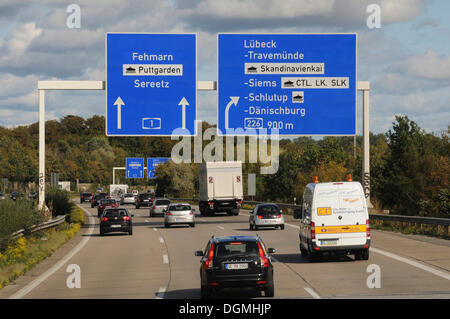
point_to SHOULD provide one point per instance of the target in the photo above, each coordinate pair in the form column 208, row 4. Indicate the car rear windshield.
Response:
column 87, row 194
column 145, row 196
column 128, row 195
column 115, row 213
column 107, row 201
column 235, row 248
column 162, row 202
column 180, row 207
column 268, row 209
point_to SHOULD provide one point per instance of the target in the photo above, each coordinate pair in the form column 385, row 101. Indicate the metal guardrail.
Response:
column 48, row 224
column 390, row 218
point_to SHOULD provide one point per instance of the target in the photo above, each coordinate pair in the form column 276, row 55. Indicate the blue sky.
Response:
column 407, row 60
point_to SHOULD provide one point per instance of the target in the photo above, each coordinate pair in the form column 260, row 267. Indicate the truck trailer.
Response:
column 220, row 188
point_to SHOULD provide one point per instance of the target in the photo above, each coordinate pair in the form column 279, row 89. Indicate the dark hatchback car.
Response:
column 144, row 199
column 85, row 197
column 116, row 220
column 96, row 199
column 236, row 261
column 105, row 203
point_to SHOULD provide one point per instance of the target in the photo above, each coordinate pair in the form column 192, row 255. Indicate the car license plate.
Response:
column 328, row 242
column 236, row 266
column 115, row 226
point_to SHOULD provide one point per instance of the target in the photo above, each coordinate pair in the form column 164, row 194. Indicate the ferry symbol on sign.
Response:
column 297, row 96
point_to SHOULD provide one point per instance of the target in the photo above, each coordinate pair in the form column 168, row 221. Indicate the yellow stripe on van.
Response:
column 340, row 229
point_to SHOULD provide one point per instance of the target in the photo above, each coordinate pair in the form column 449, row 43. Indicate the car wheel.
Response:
column 303, row 251
column 281, row 227
column 102, row 233
column 251, row 226
column 205, row 293
column 365, row 254
column 270, row 290
column 192, row 225
column 166, row 225
column 312, row 257
column 236, row 211
column 137, row 207
column 130, row 232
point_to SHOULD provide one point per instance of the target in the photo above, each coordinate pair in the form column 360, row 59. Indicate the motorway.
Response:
column 159, row 263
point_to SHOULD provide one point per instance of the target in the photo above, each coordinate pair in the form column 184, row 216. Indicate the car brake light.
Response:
column 209, row 261
column 126, row 218
column 313, row 230
column 279, row 216
column 104, row 219
column 260, row 216
column 264, row 261
column 154, row 207
column 101, row 206
column 169, row 213
column 191, row 213
column 367, row 228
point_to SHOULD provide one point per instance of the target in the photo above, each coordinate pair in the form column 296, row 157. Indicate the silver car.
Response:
column 179, row 213
column 158, row 207
column 127, row 198
column 266, row 215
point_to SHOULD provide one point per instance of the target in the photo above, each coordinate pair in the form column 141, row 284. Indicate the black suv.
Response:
column 236, row 261
column 144, row 199
column 116, row 220
column 85, row 197
column 96, row 199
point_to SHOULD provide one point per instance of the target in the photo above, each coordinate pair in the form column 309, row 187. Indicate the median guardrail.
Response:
column 416, row 220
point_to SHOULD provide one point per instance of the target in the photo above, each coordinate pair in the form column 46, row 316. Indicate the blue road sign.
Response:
column 151, row 82
column 300, row 84
column 135, row 167
column 152, row 163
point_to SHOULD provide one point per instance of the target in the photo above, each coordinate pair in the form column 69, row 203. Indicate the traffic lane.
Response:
column 112, row 266
column 182, row 242
column 343, row 276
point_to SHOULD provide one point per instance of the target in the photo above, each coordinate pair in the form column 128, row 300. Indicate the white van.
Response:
column 334, row 219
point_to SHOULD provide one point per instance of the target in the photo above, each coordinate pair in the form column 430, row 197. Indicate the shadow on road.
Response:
column 228, row 293
column 298, row 259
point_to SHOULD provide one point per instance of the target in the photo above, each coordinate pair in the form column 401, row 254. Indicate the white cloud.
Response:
column 428, row 65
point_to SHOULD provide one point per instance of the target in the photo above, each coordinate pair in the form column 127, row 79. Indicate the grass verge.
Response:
column 24, row 253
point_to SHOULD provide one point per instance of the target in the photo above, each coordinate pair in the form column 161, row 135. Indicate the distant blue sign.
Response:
column 152, row 163
column 135, row 167
column 151, row 82
column 300, row 84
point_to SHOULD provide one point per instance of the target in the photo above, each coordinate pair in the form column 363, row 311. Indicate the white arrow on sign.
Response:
column 183, row 103
column 234, row 100
column 119, row 104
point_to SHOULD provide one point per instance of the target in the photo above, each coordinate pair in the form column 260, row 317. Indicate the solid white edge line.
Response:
column 312, row 293
column 411, row 262
column 160, row 293
column 161, row 240
column 165, row 259
column 28, row 288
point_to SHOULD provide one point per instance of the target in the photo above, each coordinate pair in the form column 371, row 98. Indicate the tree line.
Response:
column 410, row 168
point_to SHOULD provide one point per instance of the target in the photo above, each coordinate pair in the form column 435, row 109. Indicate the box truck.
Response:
column 220, row 187
column 117, row 190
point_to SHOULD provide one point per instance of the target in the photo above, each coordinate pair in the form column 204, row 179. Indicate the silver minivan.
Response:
column 158, row 207
column 179, row 213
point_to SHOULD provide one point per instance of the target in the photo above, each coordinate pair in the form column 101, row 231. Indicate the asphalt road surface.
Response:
column 156, row 262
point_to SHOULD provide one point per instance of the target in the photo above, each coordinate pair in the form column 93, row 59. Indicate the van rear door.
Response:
column 325, row 219
column 354, row 215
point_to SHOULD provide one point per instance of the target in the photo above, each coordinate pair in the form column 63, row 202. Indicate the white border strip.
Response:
column 412, row 263
column 28, row 288
column 312, row 293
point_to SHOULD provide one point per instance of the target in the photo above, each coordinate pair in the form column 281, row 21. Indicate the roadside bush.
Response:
column 16, row 215
column 58, row 201
column 76, row 215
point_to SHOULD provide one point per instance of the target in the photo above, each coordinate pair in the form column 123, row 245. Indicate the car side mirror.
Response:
column 271, row 250
column 199, row 253
column 193, row 209
column 297, row 213
column 132, row 215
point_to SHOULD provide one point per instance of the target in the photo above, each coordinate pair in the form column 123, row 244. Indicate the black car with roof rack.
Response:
column 235, row 262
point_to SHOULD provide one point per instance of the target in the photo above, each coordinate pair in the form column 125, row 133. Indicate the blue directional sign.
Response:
column 135, row 167
column 299, row 84
column 152, row 163
column 151, row 82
